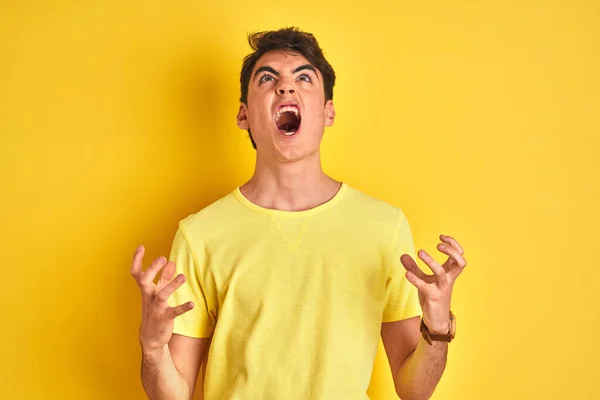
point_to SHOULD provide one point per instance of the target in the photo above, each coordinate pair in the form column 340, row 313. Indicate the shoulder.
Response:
column 216, row 220
column 374, row 209
column 378, row 221
column 375, row 218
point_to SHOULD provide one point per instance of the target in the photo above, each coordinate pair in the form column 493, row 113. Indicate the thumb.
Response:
column 416, row 281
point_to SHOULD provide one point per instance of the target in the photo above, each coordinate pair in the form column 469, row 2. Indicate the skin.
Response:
column 288, row 176
column 417, row 366
column 170, row 362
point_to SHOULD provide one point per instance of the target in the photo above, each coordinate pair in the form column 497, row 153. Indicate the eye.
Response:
column 304, row 78
column 265, row 78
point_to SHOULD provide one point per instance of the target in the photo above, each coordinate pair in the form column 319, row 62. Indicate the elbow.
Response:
column 413, row 395
column 404, row 397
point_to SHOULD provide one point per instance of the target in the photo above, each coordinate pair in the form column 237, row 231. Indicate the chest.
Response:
column 287, row 263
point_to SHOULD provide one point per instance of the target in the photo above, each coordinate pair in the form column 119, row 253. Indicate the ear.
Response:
column 242, row 117
column 329, row 113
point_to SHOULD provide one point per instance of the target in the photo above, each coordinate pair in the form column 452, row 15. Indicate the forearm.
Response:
column 420, row 373
column 160, row 377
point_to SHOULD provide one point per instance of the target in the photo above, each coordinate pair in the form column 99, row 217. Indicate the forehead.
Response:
column 281, row 60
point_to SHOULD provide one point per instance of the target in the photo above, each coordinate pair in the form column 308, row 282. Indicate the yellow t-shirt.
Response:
column 294, row 301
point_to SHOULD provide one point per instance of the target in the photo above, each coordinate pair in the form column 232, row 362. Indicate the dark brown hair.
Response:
column 289, row 39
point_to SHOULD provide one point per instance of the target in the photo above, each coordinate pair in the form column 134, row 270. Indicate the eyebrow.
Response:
column 267, row 68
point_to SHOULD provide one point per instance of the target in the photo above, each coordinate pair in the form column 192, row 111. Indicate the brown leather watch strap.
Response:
column 439, row 337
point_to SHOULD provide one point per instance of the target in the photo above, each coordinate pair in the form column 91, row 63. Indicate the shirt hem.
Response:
column 400, row 315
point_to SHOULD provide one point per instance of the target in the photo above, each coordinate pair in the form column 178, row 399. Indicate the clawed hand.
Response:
column 435, row 290
column 157, row 316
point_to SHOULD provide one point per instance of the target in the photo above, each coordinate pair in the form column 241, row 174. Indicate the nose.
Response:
column 285, row 86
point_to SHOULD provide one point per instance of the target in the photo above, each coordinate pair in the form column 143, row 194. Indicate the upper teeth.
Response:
column 283, row 109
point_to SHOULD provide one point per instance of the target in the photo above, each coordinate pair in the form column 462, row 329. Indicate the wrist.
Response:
column 439, row 329
column 436, row 317
column 154, row 354
column 438, row 324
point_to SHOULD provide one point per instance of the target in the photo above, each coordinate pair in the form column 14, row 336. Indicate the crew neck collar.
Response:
column 280, row 213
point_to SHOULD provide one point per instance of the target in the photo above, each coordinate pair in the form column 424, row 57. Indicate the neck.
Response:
column 294, row 186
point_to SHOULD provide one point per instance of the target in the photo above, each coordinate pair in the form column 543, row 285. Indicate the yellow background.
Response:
column 479, row 118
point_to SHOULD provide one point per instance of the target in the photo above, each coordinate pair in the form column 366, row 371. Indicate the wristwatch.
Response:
column 440, row 337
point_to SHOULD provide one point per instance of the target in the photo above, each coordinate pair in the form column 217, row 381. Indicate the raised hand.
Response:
column 157, row 316
column 435, row 291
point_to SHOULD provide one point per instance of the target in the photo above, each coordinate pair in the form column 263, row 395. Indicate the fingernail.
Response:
column 161, row 260
column 139, row 248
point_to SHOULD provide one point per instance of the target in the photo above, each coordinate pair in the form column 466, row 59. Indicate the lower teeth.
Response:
column 288, row 133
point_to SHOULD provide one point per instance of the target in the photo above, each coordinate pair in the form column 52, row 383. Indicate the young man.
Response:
column 287, row 283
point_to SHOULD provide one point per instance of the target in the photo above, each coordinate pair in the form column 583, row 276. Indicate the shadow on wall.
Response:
column 188, row 113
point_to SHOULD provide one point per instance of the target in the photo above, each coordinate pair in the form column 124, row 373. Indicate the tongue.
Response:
column 288, row 128
column 288, row 122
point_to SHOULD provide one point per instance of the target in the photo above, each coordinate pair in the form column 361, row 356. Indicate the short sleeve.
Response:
column 402, row 297
column 198, row 322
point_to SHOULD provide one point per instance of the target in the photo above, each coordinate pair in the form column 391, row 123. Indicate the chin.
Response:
column 292, row 148
column 290, row 154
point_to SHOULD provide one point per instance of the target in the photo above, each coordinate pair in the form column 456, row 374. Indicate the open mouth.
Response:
column 288, row 120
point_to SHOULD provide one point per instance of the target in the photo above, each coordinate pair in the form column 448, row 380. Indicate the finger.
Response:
column 437, row 269
column 174, row 312
column 167, row 274
column 452, row 242
column 420, row 284
column 151, row 272
column 410, row 265
column 136, row 265
column 168, row 290
column 453, row 253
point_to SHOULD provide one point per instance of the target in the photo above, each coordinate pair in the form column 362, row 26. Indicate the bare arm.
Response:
column 170, row 362
column 171, row 371
column 416, row 366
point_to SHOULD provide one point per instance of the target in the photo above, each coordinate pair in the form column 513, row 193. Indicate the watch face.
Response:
column 452, row 325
